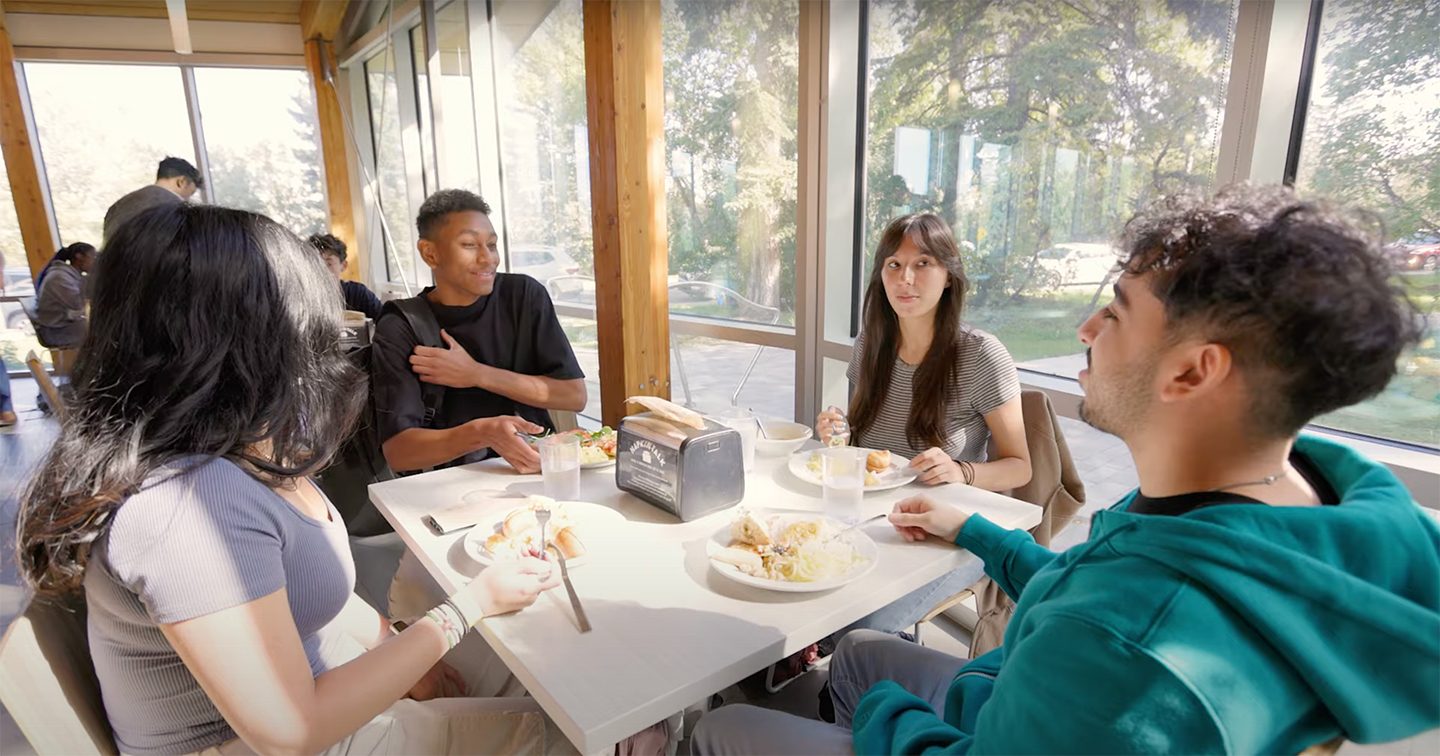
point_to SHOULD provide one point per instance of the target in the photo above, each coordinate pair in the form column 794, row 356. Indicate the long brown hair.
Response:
column 881, row 334
column 214, row 333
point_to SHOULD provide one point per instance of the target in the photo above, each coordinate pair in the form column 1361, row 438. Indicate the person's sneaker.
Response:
column 908, row 636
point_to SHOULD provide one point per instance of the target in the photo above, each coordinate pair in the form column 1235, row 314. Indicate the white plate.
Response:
column 595, row 524
column 898, row 475
column 862, row 543
column 598, row 465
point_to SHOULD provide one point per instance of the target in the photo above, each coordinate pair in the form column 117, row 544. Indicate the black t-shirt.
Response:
column 1179, row 504
column 514, row 328
column 359, row 298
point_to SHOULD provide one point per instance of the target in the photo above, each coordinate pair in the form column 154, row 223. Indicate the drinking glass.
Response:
column 843, row 482
column 743, row 422
column 560, row 466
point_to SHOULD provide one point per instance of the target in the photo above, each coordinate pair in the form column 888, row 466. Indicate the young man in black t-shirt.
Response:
column 506, row 359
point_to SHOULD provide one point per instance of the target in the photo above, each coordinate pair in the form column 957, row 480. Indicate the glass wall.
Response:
column 263, row 144
column 16, row 336
column 1035, row 129
column 389, row 165
column 102, row 130
column 1370, row 138
column 731, row 106
column 461, row 168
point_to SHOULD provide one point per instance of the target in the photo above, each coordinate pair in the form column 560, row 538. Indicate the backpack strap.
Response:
column 427, row 333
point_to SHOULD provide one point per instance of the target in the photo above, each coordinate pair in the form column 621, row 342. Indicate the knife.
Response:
column 570, row 589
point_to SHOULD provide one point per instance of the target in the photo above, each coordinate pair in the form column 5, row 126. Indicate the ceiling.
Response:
column 272, row 11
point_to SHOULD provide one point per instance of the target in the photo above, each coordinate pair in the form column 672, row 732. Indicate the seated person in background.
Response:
column 928, row 387
column 357, row 296
column 60, row 319
column 505, row 361
column 1262, row 592
column 218, row 578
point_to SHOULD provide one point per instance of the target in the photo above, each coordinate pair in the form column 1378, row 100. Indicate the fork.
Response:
column 542, row 516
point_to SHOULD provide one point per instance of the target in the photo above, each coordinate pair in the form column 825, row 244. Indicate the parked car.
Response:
column 1078, row 263
column 1418, row 257
column 17, row 284
column 542, row 263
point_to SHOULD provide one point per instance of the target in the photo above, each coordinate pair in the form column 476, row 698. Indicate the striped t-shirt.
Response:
column 985, row 379
column 201, row 536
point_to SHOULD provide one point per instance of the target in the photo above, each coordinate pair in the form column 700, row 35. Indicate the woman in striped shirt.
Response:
column 928, row 387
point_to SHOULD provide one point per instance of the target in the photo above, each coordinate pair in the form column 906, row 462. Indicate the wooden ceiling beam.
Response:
column 321, row 18
column 21, row 166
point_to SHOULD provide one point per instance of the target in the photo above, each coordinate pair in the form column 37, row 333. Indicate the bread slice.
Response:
column 749, row 530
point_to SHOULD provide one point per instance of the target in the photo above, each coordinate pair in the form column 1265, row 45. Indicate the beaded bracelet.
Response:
column 450, row 621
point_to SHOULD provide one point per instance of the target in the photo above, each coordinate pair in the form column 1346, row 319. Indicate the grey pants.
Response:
column 863, row 658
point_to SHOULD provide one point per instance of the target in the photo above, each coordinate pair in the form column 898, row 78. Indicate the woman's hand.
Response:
column 918, row 516
column 505, row 587
column 825, row 423
column 442, row 681
column 935, row 467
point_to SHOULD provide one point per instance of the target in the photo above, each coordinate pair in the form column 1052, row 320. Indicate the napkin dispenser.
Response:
column 688, row 472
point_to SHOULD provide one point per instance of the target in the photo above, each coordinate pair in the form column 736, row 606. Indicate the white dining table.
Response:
column 668, row 629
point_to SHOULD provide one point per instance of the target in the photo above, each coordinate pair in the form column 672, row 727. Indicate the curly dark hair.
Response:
column 329, row 244
column 1298, row 290
column 443, row 203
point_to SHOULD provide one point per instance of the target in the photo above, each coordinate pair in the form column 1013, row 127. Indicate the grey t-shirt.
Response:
column 985, row 380
column 133, row 204
column 201, row 536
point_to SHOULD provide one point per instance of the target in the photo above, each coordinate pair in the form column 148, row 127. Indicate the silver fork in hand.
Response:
column 542, row 516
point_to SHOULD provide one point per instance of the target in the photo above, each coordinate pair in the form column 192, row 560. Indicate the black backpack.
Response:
column 360, row 460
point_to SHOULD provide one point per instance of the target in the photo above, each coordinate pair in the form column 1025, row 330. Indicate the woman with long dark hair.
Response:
column 927, row 386
column 218, row 578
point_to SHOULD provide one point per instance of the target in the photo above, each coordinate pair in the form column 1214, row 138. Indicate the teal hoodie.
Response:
column 1234, row 628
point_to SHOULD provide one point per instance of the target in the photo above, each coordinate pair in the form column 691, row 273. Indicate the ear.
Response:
column 428, row 252
column 1193, row 370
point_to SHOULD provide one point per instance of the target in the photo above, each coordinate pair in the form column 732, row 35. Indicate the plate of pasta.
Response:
column 791, row 552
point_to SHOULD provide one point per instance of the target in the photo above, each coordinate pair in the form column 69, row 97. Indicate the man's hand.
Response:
column 917, row 516
column 442, row 681
column 452, row 366
column 934, row 467
column 498, row 434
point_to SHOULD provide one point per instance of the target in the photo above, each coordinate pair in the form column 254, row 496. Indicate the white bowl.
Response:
column 785, row 438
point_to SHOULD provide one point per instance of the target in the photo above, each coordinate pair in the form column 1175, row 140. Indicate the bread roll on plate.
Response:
column 877, row 461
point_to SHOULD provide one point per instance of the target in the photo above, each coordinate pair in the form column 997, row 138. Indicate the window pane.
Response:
column 16, row 336
column 544, row 145
column 390, row 166
column 263, row 144
column 705, row 373
column 582, row 335
column 102, row 130
column 462, row 168
column 731, row 104
column 1036, row 129
column 1370, row 139
column 422, row 104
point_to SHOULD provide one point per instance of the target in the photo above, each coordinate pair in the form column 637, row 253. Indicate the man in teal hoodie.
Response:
column 1262, row 591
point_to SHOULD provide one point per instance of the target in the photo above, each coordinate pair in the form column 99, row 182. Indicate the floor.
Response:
column 1103, row 461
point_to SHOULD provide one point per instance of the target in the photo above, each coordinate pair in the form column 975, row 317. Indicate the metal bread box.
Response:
column 686, row 471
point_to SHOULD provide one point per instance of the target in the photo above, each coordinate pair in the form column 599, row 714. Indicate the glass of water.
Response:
column 843, row 478
column 743, row 422
column 560, row 466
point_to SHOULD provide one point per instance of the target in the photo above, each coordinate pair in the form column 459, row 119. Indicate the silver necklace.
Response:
column 1268, row 480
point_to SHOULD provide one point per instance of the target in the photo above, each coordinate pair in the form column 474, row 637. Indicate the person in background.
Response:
column 60, row 318
column 928, row 387
column 357, row 296
column 7, row 407
column 176, row 180
column 218, row 578
column 1263, row 591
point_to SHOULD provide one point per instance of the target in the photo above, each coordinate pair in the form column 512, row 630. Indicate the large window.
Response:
column 461, row 167
column 539, row 59
column 1370, row 138
column 16, row 336
column 383, row 96
column 263, row 145
column 731, row 104
column 102, row 130
column 1035, row 129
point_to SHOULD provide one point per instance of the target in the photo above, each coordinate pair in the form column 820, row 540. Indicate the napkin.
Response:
column 458, row 517
column 670, row 411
